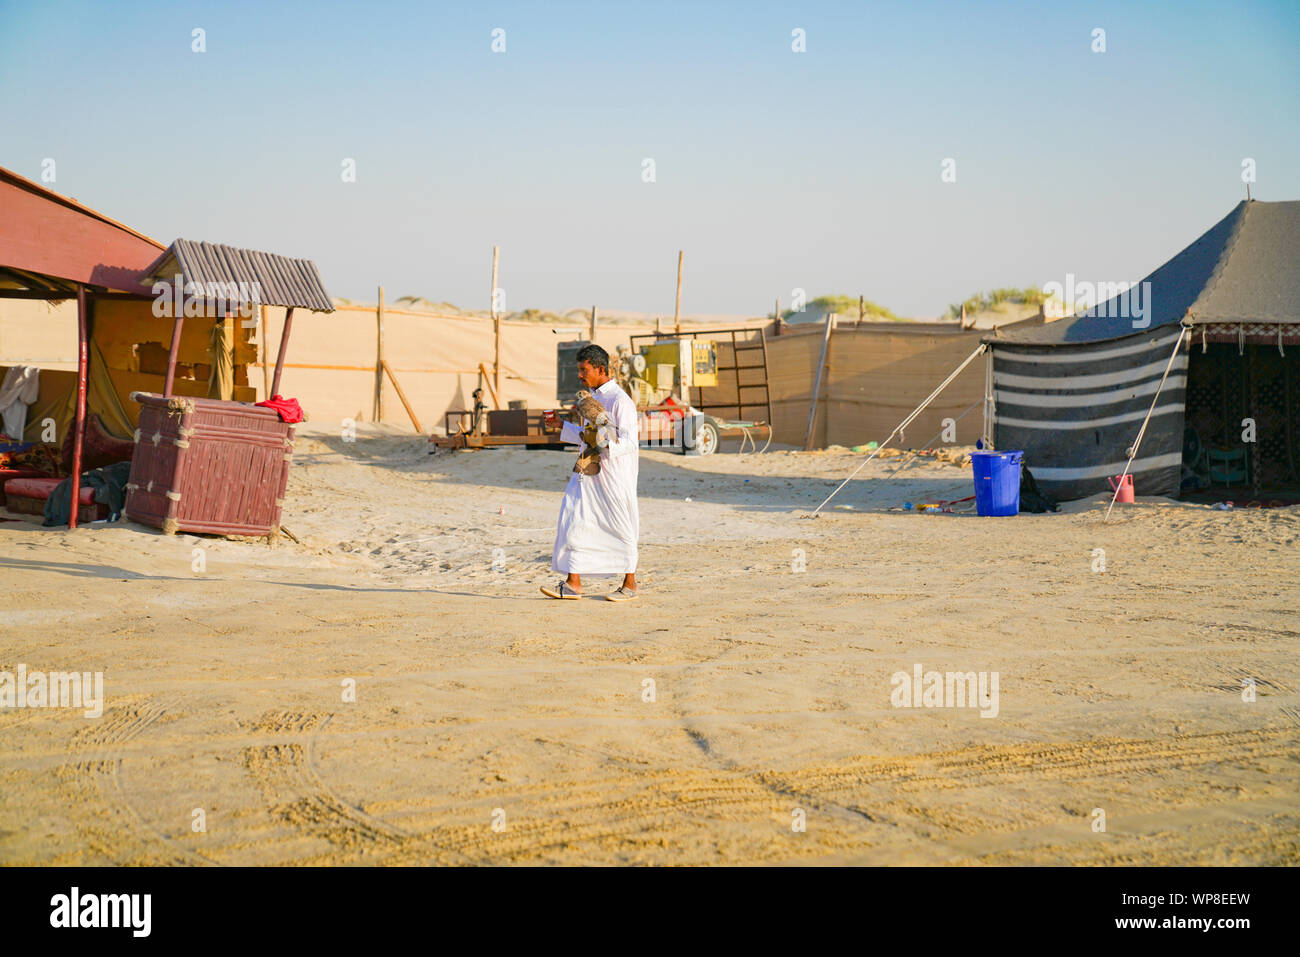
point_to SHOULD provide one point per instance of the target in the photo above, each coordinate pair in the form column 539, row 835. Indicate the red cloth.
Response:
column 289, row 409
column 673, row 413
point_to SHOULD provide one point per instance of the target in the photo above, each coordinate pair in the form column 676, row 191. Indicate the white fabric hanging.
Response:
column 22, row 386
column 599, row 523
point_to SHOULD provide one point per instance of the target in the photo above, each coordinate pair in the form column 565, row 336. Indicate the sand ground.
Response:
column 478, row 702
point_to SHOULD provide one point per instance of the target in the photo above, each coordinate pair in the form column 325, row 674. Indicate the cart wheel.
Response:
column 706, row 438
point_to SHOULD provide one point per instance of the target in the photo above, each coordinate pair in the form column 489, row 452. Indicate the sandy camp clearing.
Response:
column 478, row 701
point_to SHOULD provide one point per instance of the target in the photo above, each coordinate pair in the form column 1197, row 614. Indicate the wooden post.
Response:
column 677, row 311
column 266, row 354
column 178, row 319
column 496, row 325
column 379, row 357
column 79, row 418
column 482, row 370
column 402, row 395
column 591, row 334
column 776, row 320
column 862, row 307
column 284, row 343
column 817, row 383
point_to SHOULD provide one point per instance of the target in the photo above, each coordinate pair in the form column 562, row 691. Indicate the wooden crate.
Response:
column 203, row 465
column 507, row 422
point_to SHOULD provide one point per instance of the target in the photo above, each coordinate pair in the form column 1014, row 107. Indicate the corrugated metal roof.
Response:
column 243, row 275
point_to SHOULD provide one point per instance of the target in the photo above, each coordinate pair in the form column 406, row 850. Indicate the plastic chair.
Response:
column 1224, row 464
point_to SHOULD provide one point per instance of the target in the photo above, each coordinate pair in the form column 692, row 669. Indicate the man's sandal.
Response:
column 622, row 594
column 562, row 590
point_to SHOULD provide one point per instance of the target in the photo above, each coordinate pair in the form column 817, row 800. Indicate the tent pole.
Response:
column 1133, row 450
column 284, row 344
column 496, row 325
column 173, row 352
column 817, row 384
column 905, row 423
column 677, row 309
column 79, row 420
column 990, row 408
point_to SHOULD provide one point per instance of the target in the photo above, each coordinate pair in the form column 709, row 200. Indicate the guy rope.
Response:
column 906, row 422
column 1133, row 449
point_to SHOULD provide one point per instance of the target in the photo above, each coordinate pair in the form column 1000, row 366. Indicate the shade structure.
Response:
column 213, row 271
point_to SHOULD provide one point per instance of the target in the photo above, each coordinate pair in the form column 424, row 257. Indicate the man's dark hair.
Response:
column 594, row 355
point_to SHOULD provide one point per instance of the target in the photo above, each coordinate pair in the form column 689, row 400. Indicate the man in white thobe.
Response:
column 599, row 524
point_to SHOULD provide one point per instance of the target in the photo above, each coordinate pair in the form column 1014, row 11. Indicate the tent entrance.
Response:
column 1228, row 383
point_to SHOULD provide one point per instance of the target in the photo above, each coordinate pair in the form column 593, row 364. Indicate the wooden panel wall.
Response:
column 135, row 342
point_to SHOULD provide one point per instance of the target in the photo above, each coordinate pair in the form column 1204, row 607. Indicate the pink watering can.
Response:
column 1125, row 485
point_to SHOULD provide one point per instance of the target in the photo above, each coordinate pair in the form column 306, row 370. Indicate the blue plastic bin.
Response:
column 997, row 482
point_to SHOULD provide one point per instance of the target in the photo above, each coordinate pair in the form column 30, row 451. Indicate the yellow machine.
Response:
column 660, row 374
column 673, row 366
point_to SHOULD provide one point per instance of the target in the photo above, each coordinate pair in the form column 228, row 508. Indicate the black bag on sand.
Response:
column 109, row 484
column 1032, row 498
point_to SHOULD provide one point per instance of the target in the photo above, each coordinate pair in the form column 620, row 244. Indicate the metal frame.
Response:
column 462, row 436
column 737, row 347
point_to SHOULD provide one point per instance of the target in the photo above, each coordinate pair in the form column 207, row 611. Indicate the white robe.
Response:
column 599, row 523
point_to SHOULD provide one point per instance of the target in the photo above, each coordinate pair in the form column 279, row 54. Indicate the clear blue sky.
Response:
column 775, row 169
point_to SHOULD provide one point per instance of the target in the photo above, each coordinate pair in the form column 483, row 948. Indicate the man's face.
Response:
column 593, row 377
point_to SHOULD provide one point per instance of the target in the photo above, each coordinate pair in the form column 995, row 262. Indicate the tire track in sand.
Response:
column 666, row 814
column 285, row 773
column 92, row 778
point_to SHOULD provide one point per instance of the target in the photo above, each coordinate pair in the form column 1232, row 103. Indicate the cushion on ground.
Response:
column 30, row 494
column 42, row 487
column 7, row 474
column 100, row 448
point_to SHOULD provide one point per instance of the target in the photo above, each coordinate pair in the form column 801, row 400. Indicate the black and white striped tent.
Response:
column 1073, row 393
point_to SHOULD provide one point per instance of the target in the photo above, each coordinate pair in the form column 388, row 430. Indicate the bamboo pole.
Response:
column 677, row 310
column 379, row 357
column 79, row 417
column 266, row 354
column 591, row 335
column 817, row 383
column 284, row 345
column 496, row 326
column 339, row 368
column 402, row 395
column 178, row 319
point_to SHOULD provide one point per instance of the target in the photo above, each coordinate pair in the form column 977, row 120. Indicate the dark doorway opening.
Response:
column 1228, row 384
